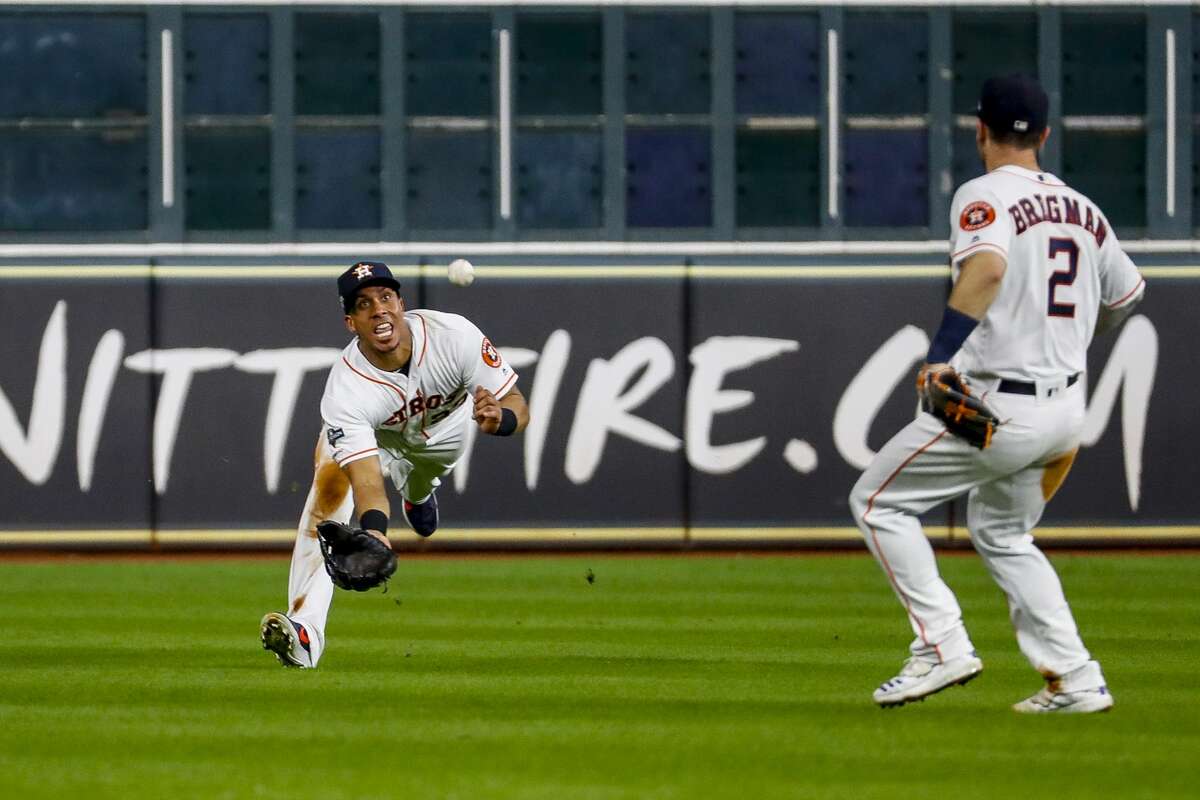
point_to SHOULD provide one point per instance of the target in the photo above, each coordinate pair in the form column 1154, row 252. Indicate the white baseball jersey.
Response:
column 366, row 409
column 1063, row 262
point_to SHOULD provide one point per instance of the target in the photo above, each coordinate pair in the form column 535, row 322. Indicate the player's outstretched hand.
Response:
column 487, row 410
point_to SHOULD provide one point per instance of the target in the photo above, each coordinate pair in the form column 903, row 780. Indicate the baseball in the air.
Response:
column 460, row 272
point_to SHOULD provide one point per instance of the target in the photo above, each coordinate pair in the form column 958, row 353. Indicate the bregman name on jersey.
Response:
column 1029, row 211
column 1062, row 260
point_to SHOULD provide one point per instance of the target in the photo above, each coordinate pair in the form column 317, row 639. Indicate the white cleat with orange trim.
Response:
column 919, row 678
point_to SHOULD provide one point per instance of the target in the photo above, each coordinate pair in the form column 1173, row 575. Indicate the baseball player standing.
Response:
column 1037, row 271
column 396, row 403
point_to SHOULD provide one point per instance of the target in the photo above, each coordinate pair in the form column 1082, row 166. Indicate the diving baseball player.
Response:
column 397, row 403
column 1037, row 271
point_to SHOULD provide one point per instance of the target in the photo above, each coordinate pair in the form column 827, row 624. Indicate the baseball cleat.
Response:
column 1049, row 701
column 918, row 679
column 422, row 517
column 287, row 639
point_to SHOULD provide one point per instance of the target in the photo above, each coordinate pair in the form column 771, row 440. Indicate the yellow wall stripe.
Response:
column 263, row 272
column 69, row 272
column 483, row 537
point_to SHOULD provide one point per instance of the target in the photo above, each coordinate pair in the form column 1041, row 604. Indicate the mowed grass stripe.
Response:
column 515, row 677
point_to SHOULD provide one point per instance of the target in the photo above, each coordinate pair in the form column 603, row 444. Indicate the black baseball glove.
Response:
column 354, row 558
column 946, row 396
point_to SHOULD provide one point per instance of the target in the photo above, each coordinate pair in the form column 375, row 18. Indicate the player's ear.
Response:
column 1045, row 136
column 349, row 323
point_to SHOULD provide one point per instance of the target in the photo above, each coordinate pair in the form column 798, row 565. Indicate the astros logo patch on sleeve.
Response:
column 491, row 356
column 977, row 215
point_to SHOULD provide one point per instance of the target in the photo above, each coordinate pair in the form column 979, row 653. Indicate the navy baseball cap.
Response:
column 1013, row 103
column 364, row 273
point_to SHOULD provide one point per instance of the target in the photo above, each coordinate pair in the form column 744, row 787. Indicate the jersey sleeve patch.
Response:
column 334, row 434
column 977, row 215
column 491, row 356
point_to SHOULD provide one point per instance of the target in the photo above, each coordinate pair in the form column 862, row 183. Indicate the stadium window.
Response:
column 448, row 64
column 73, row 122
column 885, row 165
column 338, row 179
column 1103, row 64
column 559, row 179
column 887, row 178
column 668, row 120
column 227, row 122
column 337, row 64
column 778, row 178
column 559, row 64
column 228, row 178
column 1104, row 111
column 777, row 98
column 449, row 179
column 226, row 64
column 668, row 177
column 777, row 58
column 74, row 180
column 73, row 66
column 448, row 102
column 887, row 64
column 667, row 64
column 337, row 134
column 1120, row 186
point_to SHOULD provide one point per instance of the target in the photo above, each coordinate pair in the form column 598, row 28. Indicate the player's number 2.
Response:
column 1062, row 277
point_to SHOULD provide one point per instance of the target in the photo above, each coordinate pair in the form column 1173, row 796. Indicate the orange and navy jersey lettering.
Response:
column 425, row 402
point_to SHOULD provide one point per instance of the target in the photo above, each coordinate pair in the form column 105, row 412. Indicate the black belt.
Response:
column 1021, row 387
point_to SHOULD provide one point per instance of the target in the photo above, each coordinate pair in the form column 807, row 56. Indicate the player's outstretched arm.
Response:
column 370, row 493
column 503, row 417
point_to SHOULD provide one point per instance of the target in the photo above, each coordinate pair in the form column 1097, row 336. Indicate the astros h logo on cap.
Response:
column 364, row 273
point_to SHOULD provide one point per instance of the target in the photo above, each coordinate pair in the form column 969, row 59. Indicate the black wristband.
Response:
column 373, row 520
column 954, row 330
column 508, row 423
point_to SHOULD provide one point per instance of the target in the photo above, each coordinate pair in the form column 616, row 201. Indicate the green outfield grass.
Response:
column 514, row 677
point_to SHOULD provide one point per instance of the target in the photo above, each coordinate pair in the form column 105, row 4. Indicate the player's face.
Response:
column 377, row 318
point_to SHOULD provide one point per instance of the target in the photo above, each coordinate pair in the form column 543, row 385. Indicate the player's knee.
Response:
column 332, row 486
column 860, row 501
column 1001, row 541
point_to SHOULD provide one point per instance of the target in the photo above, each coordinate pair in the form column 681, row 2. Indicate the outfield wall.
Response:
column 713, row 401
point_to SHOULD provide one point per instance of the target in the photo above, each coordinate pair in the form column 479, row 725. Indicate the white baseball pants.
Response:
column 1008, row 486
column 310, row 590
